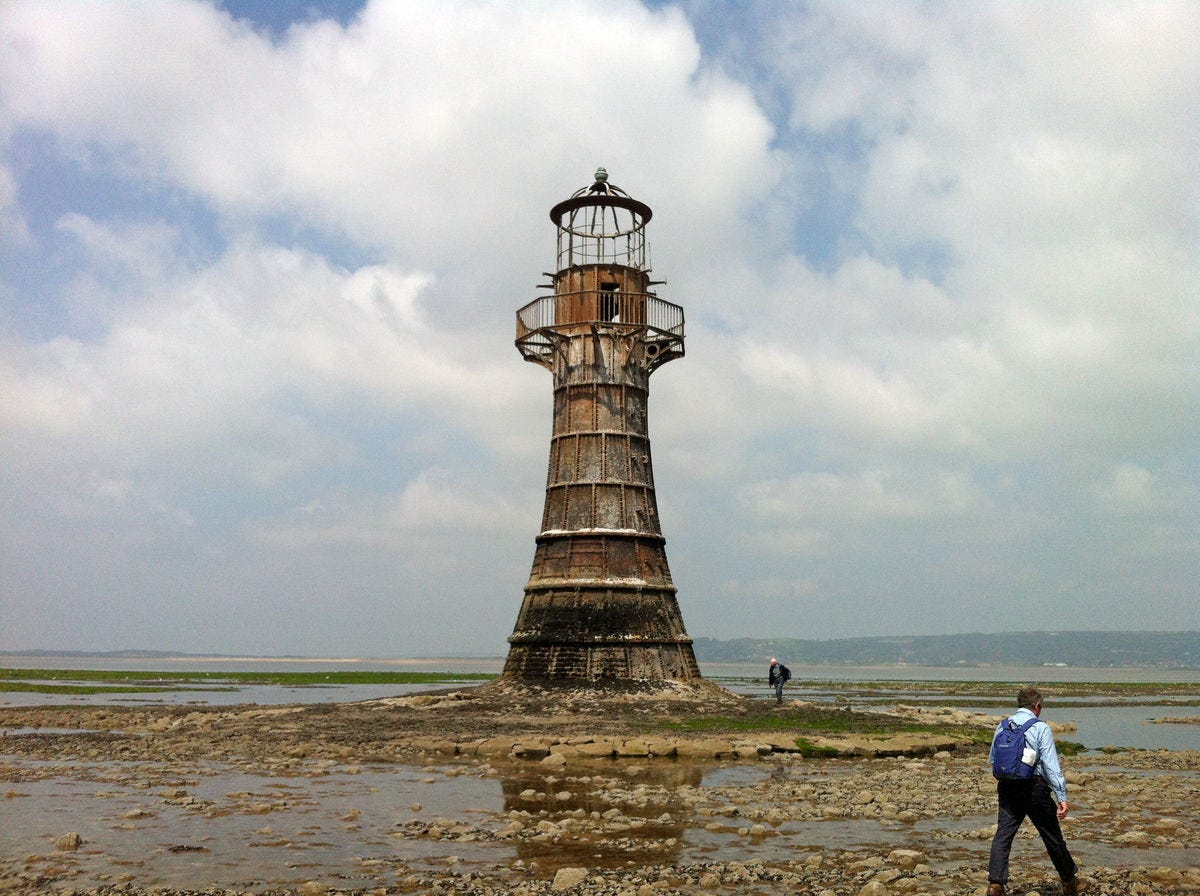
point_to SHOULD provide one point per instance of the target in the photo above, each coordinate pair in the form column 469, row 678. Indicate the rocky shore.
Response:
column 486, row 791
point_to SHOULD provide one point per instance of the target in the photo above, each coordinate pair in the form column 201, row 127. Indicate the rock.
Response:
column 565, row 878
column 906, row 859
column 660, row 746
column 779, row 744
column 874, row 888
column 1165, row 876
column 597, row 749
column 632, row 748
column 68, row 842
column 848, row 747
column 744, row 749
column 706, row 748
column 1133, row 838
column 496, row 746
column 434, row 745
column 530, row 750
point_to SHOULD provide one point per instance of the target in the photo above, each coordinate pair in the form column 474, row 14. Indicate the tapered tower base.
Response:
column 595, row 632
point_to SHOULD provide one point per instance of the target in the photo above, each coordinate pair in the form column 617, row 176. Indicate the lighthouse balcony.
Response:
column 600, row 306
column 547, row 320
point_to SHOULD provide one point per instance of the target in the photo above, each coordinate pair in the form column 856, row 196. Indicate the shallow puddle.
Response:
column 232, row 829
column 214, row 825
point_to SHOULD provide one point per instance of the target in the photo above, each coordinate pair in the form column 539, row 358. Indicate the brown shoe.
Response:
column 1075, row 886
column 998, row 890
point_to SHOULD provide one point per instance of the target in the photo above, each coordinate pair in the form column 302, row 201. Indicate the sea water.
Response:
column 1097, row 726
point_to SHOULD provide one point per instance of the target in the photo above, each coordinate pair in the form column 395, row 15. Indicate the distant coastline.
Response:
column 1131, row 649
column 179, row 656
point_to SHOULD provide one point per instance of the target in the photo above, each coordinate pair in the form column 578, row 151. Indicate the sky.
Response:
column 260, row 263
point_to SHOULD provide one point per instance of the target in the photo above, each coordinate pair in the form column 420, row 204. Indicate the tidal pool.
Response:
column 208, row 825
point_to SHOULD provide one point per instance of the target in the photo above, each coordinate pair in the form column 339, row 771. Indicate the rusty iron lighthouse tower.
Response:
column 600, row 604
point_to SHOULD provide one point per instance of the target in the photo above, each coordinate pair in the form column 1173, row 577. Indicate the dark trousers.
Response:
column 1032, row 799
column 778, row 685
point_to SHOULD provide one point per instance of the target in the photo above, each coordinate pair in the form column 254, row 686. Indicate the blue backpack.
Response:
column 1008, row 752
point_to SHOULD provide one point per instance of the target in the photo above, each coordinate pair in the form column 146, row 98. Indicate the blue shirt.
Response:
column 1041, row 739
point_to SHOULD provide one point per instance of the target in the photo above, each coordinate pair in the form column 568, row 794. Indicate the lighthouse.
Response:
column 600, row 605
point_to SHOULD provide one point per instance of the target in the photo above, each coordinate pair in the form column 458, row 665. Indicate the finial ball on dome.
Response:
column 601, row 175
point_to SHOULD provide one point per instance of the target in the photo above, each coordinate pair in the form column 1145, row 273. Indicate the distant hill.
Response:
column 1161, row 650
column 115, row 654
column 1166, row 650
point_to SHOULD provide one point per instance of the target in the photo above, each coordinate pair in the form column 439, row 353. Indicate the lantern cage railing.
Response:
column 603, row 234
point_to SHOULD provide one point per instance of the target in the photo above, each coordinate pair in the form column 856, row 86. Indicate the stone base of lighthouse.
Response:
column 553, row 641
column 620, row 621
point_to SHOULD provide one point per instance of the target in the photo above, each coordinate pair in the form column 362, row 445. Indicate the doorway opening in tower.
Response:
column 609, row 302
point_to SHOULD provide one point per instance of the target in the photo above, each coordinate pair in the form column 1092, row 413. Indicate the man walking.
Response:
column 1042, row 797
column 777, row 677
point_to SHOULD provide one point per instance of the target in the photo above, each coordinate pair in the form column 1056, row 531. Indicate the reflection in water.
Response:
column 607, row 820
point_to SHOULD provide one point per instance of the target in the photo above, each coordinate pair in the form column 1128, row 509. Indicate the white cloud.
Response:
column 12, row 220
column 433, row 507
column 868, row 497
column 205, row 360
column 941, row 308
column 1131, row 490
column 373, row 131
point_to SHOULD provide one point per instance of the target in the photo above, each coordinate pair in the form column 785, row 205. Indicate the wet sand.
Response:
column 483, row 791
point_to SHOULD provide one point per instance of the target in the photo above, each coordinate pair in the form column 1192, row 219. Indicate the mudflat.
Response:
column 524, row 790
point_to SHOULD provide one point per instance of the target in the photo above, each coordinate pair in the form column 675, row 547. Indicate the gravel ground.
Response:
column 497, row 790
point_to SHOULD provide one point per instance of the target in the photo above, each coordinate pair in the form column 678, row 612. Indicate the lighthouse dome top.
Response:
column 600, row 194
